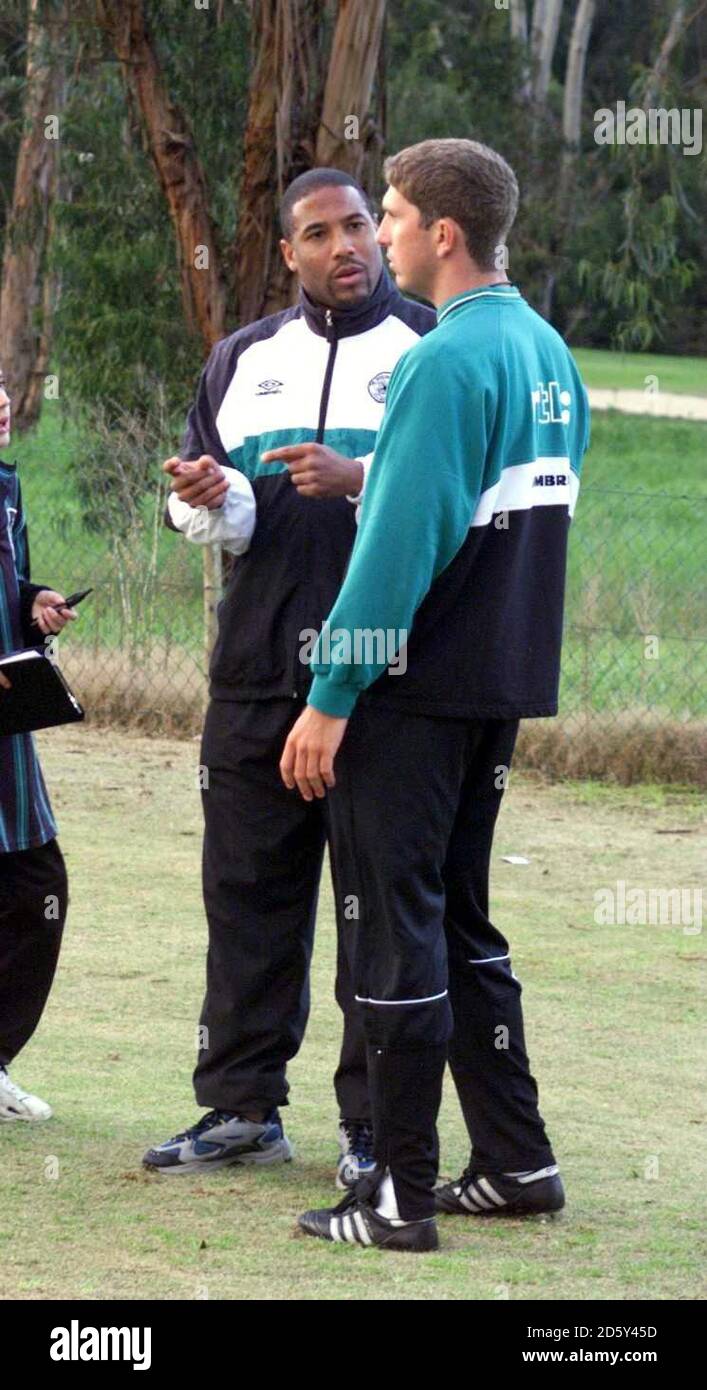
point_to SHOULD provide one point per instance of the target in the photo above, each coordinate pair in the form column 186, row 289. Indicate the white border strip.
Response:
column 430, row 999
column 517, row 491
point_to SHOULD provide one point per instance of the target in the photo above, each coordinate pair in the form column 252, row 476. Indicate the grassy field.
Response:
column 612, row 1016
column 627, row 371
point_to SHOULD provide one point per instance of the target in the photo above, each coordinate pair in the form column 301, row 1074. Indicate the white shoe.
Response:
column 16, row 1104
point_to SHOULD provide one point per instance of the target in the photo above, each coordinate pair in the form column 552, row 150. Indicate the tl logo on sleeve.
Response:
column 271, row 387
column 551, row 405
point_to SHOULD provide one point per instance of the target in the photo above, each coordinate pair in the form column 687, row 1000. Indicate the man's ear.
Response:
column 288, row 255
column 448, row 233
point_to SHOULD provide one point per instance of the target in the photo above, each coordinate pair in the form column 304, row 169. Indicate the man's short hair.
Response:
column 305, row 184
column 462, row 179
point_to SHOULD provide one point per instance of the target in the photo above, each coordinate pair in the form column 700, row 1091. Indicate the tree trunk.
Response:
column 178, row 167
column 290, row 129
column 347, row 96
column 278, row 143
column 519, row 21
column 574, row 76
column 50, row 295
column 519, row 35
column 564, row 199
column 546, row 23
column 679, row 21
column 371, row 175
column 537, row 28
column 571, row 131
column 25, row 308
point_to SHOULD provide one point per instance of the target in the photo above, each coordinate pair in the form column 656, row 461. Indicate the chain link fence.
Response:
column 634, row 683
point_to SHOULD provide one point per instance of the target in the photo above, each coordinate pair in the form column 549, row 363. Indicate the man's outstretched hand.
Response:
column 308, row 758
column 201, row 482
column 318, row 471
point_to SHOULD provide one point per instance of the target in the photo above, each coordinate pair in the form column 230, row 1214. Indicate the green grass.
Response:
column 611, row 1012
column 628, row 371
column 635, row 571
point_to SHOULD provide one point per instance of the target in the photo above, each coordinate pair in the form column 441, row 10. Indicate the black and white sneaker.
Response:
column 369, row 1216
column 219, row 1139
column 357, row 1223
column 532, row 1193
column 356, row 1161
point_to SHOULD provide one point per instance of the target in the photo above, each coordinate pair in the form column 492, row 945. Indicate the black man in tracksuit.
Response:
column 276, row 452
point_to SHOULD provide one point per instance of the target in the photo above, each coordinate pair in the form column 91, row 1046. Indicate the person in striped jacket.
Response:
column 33, row 884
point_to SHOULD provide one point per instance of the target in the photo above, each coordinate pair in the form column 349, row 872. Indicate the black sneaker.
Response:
column 355, row 1222
column 219, row 1139
column 356, row 1161
column 519, row 1194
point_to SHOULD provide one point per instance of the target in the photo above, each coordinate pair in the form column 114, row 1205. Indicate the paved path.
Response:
column 658, row 403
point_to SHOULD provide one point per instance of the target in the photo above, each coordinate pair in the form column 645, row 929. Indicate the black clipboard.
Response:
column 39, row 697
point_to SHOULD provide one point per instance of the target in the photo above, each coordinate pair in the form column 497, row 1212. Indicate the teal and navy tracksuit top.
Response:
column 461, row 547
column 304, row 374
column 26, row 819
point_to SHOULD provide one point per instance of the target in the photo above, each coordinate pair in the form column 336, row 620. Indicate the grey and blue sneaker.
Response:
column 218, row 1139
column 356, row 1142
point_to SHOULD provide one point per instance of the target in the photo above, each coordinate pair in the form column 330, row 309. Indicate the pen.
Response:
column 72, row 600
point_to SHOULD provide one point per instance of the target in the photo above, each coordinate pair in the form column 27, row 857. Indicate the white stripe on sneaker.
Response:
column 477, row 1197
column 361, row 1228
column 491, row 1192
column 466, row 1201
column 334, row 1229
column 347, row 1230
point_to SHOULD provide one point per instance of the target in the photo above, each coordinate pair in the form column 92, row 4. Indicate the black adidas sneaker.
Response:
column 507, row 1194
column 355, row 1222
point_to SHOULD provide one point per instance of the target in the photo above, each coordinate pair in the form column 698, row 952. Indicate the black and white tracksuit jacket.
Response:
column 304, row 374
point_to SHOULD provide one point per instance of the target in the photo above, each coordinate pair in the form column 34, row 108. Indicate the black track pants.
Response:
column 33, row 904
column 413, row 814
column 262, row 861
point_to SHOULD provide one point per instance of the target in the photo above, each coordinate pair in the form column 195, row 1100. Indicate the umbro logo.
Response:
column 269, row 387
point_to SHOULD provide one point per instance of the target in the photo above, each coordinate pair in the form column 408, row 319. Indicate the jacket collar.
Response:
column 359, row 317
column 500, row 290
